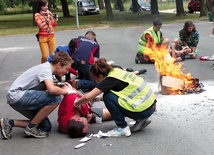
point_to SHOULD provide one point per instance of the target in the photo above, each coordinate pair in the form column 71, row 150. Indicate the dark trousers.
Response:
column 118, row 113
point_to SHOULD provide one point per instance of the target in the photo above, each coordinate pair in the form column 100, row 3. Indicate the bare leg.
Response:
column 21, row 123
column 106, row 115
column 42, row 113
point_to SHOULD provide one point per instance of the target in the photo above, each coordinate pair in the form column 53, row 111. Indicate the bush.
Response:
column 2, row 5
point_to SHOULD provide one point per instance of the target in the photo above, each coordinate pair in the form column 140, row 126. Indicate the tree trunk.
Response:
column 109, row 12
column 135, row 6
column 65, row 9
column 101, row 4
column 180, row 8
column 203, row 11
column 154, row 7
column 120, row 5
column 35, row 8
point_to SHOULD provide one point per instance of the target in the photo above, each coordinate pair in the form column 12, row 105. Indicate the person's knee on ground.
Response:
column 141, row 58
column 194, row 56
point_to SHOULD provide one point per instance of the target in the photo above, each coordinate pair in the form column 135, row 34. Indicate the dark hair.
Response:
column 188, row 24
column 62, row 57
column 91, row 32
column 72, row 45
column 157, row 22
column 41, row 3
column 75, row 129
column 100, row 67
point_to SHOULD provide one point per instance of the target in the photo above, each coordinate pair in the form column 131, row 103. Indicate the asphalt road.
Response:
column 182, row 124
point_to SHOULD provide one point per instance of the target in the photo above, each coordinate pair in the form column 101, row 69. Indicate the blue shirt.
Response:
column 86, row 50
column 63, row 48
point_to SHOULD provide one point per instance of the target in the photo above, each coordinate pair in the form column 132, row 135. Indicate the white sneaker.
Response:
column 140, row 124
column 119, row 132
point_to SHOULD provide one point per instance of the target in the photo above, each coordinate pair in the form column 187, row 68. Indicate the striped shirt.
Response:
column 40, row 19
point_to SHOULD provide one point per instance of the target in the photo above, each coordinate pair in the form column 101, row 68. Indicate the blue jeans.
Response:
column 85, row 81
column 118, row 113
column 32, row 101
column 86, row 85
column 83, row 68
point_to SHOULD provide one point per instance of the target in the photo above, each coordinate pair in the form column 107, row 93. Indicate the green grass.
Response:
column 23, row 23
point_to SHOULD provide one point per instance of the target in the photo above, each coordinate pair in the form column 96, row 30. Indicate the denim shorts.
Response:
column 32, row 101
column 35, row 100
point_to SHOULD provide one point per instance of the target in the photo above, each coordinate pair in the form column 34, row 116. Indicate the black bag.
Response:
column 37, row 36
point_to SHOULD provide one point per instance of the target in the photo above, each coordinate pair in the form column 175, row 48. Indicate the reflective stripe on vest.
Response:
column 135, row 97
column 137, row 91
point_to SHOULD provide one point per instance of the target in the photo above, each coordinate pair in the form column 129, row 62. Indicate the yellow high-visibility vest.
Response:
column 137, row 96
column 142, row 41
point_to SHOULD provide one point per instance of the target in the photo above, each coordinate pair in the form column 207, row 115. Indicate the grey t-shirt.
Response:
column 32, row 79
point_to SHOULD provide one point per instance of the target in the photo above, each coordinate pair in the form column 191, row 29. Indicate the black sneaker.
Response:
column 141, row 71
column 138, row 58
column 129, row 69
column 35, row 132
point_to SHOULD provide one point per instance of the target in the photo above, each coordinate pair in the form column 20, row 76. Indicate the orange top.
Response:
column 40, row 19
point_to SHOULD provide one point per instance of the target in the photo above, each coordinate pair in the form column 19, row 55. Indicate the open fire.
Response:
column 173, row 80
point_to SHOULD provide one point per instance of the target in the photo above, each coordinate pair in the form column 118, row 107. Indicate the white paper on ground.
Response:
column 85, row 139
column 100, row 134
column 79, row 145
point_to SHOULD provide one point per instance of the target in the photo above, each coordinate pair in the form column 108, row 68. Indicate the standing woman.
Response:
column 45, row 21
column 124, row 94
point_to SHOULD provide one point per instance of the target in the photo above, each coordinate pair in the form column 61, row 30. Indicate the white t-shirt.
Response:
column 32, row 79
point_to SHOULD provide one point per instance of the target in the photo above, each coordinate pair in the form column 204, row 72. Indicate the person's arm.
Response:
column 89, row 117
column 39, row 22
column 95, row 59
column 173, row 50
column 193, row 49
column 88, row 97
column 53, row 20
column 55, row 89
column 149, row 40
column 182, row 37
column 195, row 41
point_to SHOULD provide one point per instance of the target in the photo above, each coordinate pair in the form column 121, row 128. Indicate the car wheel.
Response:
column 190, row 11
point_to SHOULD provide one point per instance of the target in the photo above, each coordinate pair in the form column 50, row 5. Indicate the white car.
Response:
column 87, row 7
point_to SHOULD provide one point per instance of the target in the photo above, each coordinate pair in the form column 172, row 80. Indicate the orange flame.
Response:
column 166, row 66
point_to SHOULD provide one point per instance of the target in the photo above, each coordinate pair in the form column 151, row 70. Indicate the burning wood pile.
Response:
column 173, row 80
